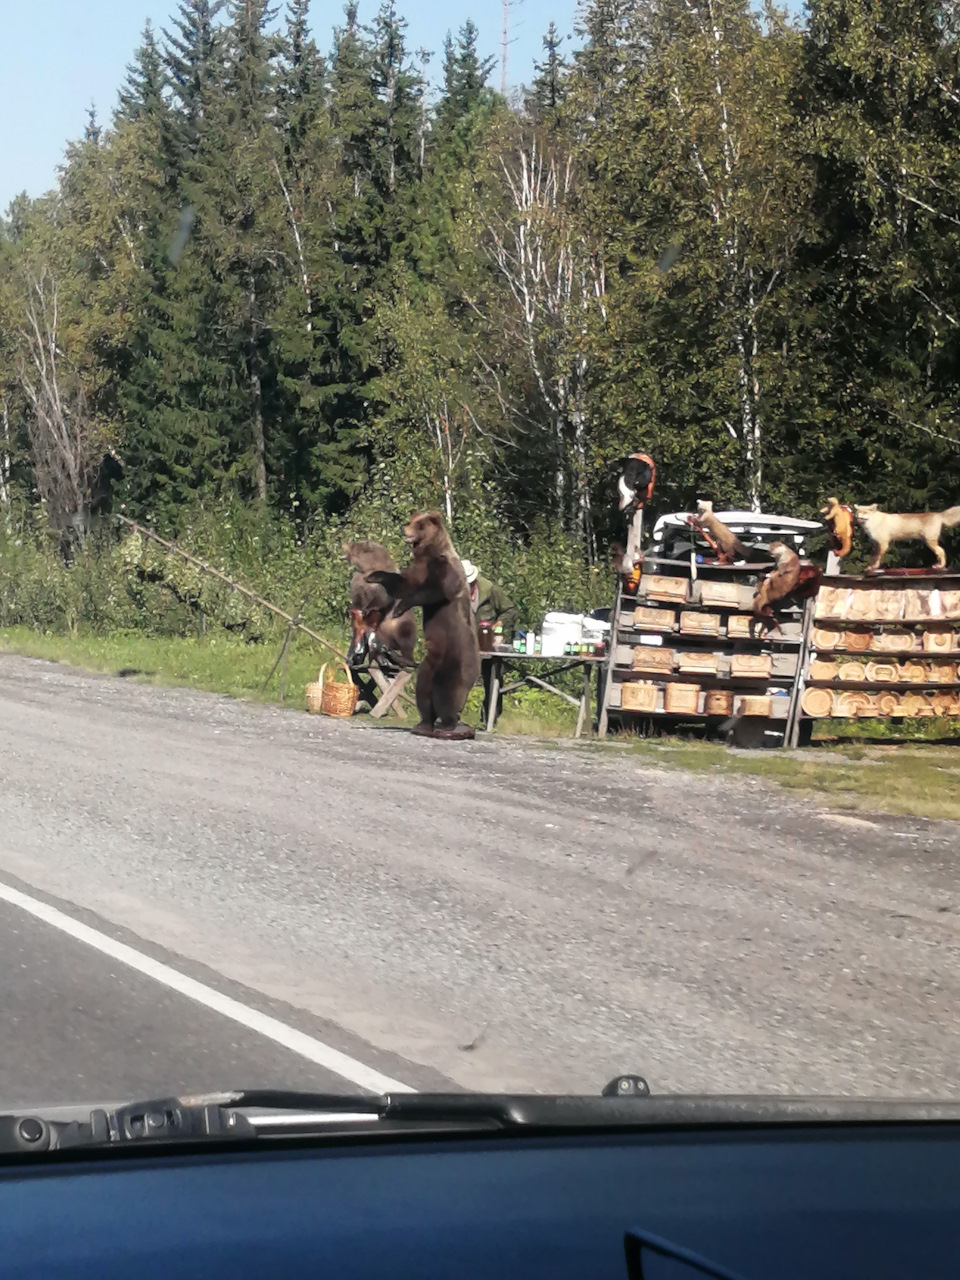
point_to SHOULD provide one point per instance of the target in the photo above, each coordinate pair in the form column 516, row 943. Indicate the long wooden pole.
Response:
column 293, row 622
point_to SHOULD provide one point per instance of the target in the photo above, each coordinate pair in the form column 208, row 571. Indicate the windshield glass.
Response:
column 479, row 603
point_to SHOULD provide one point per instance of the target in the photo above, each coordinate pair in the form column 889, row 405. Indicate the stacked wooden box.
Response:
column 687, row 647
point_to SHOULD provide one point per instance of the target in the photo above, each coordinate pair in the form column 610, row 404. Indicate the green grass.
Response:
column 920, row 779
column 218, row 663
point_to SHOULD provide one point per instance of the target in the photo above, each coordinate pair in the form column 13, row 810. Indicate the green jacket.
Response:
column 494, row 605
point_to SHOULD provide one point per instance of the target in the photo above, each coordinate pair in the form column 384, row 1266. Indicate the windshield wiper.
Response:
column 266, row 1115
column 261, row 1113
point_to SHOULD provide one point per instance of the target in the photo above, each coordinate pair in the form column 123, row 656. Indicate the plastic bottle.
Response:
column 530, row 641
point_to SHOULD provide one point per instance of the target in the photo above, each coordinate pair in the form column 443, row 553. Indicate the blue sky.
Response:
column 58, row 56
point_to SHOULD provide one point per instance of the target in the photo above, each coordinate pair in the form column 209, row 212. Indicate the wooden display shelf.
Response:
column 902, row 580
column 720, row 640
column 884, row 686
column 780, row 713
column 705, row 679
column 850, row 624
column 922, row 655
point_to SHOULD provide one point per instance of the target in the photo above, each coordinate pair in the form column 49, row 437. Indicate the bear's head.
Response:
column 426, row 534
column 366, row 556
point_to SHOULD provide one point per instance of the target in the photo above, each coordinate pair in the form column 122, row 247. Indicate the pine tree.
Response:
column 549, row 88
column 143, row 90
column 192, row 60
column 465, row 75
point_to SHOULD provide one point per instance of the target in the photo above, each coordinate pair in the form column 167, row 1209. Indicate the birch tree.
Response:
column 67, row 442
column 555, row 282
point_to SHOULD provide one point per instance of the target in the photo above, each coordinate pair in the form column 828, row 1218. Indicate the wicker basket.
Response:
column 817, row 703
column 751, row 664
column 646, row 658
column 332, row 699
column 656, row 586
column 700, row 624
column 682, row 699
column 638, row 695
column 823, row 670
column 915, row 672
column 647, row 619
column 700, row 663
column 718, row 702
column 754, row 704
column 888, row 704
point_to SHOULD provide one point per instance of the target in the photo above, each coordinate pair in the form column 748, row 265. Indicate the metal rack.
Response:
column 786, row 648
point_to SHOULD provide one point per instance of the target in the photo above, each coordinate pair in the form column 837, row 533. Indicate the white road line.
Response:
column 308, row 1047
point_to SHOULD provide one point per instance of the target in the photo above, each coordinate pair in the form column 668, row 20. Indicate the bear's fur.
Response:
column 375, row 630
column 435, row 581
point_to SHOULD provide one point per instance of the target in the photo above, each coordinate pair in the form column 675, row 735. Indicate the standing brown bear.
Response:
column 376, row 630
column 451, row 663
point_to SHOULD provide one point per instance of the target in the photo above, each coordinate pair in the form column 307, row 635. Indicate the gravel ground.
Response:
column 498, row 914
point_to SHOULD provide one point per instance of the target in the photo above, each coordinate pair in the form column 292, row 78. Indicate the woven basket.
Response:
column 682, row 699
column 332, row 699
column 888, row 704
column 718, row 702
column 915, row 672
column 638, row 695
column 823, row 670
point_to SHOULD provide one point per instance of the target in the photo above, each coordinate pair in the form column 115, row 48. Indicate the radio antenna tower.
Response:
column 504, row 41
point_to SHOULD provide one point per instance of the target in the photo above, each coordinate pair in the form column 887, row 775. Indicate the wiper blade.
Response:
column 262, row 1113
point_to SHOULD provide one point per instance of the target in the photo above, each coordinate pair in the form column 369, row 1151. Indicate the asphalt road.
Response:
column 491, row 914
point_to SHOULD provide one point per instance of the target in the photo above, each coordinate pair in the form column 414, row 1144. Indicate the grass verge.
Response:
column 916, row 780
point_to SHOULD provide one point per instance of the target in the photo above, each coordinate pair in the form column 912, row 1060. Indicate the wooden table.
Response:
column 493, row 664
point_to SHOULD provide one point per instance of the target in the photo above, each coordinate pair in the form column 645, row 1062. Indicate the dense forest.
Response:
column 284, row 293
